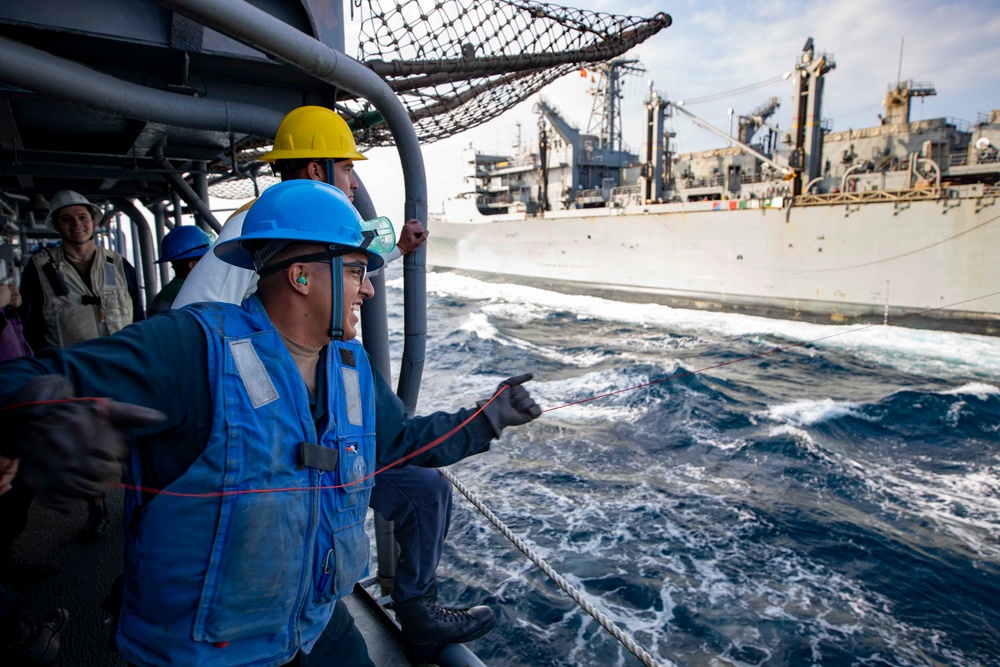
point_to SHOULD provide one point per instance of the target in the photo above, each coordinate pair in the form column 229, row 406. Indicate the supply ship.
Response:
column 896, row 223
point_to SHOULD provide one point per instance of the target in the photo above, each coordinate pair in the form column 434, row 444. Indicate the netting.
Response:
column 248, row 179
column 456, row 64
column 459, row 63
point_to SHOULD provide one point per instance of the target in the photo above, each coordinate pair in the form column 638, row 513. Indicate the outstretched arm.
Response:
column 138, row 365
column 399, row 434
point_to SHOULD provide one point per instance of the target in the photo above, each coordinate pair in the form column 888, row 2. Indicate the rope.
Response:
column 559, row 580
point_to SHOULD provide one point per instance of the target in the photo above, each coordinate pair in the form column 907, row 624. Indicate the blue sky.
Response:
column 713, row 47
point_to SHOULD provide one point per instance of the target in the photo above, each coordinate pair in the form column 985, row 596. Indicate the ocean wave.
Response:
column 809, row 412
column 917, row 351
column 980, row 390
column 480, row 326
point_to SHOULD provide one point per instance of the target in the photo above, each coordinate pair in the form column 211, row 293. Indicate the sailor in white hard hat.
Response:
column 76, row 292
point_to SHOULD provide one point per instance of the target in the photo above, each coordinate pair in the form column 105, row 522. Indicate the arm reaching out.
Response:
column 69, row 449
column 512, row 405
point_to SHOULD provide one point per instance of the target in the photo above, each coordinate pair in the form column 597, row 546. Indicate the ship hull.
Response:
column 923, row 263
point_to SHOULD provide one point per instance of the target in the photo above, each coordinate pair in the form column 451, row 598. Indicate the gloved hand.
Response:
column 70, row 449
column 513, row 407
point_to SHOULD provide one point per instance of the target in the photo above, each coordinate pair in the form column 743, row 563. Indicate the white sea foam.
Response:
column 479, row 324
column 964, row 507
column 626, row 407
column 810, row 412
column 911, row 350
column 980, row 390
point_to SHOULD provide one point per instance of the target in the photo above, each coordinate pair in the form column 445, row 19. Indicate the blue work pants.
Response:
column 418, row 500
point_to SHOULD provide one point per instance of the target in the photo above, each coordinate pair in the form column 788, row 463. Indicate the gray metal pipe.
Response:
column 40, row 72
column 176, row 210
column 137, row 252
column 374, row 317
column 187, row 193
column 141, row 226
column 200, row 183
column 258, row 29
column 375, row 334
column 159, row 219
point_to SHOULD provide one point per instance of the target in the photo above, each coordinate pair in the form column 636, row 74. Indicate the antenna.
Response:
column 899, row 72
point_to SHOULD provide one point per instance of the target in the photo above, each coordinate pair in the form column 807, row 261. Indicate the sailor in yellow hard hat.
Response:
column 313, row 143
column 317, row 144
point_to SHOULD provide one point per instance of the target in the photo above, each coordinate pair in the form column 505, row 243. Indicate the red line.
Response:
column 219, row 494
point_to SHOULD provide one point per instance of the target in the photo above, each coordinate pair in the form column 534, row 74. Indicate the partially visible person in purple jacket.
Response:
column 12, row 342
column 14, row 505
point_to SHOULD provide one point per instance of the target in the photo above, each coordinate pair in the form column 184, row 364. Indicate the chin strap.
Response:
column 329, row 171
column 337, row 298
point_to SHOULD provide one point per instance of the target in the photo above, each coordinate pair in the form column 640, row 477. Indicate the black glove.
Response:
column 513, row 407
column 70, row 449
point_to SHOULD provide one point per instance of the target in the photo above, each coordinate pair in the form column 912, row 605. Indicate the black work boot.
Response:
column 39, row 641
column 428, row 628
column 97, row 519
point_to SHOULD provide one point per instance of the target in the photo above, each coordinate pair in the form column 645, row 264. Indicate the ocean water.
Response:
column 834, row 503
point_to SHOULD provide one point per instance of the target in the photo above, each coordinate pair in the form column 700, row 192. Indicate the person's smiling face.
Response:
column 357, row 288
column 75, row 224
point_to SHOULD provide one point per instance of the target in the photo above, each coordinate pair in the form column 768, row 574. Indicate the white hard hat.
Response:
column 65, row 198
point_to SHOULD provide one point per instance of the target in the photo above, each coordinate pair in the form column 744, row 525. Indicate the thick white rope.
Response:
column 566, row 587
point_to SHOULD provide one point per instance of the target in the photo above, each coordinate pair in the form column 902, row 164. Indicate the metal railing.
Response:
column 870, row 197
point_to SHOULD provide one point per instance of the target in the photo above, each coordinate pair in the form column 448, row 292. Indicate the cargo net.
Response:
column 456, row 64
column 247, row 179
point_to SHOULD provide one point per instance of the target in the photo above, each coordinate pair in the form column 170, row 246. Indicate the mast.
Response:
column 655, row 154
column 543, row 158
column 606, row 114
column 807, row 124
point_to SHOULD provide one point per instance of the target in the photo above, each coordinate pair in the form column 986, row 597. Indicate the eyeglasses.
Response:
column 357, row 271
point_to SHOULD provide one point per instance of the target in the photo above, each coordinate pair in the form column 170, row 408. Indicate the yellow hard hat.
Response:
column 313, row 132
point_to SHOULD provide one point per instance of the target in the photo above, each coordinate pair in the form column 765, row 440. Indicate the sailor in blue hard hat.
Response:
column 250, row 523
column 182, row 247
column 286, row 228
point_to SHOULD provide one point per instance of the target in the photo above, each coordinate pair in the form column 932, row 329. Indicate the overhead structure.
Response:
column 606, row 113
column 160, row 102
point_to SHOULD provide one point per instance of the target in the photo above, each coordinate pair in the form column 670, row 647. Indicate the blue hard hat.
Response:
column 303, row 211
column 188, row 242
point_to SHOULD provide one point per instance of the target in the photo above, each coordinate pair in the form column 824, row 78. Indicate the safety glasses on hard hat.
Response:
column 383, row 236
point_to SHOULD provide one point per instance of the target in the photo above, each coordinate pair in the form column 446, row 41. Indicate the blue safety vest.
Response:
column 251, row 578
